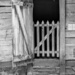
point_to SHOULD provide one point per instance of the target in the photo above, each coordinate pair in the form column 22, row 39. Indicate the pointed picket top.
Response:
column 42, row 22
column 53, row 22
column 37, row 23
column 58, row 22
column 47, row 23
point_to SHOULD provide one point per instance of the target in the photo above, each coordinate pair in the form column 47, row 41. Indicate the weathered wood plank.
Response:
column 62, row 36
column 5, row 16
column 46, row 62
column 5, row 22
column 48, row 41
column 70, row 33
column 5, row 42
column 5, row 9
column 70, row 52
column 2, row 32
column 5, row 51
column 5, row 3
column 70, row 8
column 70, row 41
column 70, row 1
column 53, row 40
column 70, row 20
column 15, row 25
column 5, row 58
column 38, row 39
column 9, row 31
column 70, row 63
column 70, row 16
column 43, row 49
column 58, row 40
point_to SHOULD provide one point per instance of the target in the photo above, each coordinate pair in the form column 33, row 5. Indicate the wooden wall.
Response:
column 5, row 30
column 70, row 29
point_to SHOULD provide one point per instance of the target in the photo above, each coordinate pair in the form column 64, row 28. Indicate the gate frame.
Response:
column 62, row 7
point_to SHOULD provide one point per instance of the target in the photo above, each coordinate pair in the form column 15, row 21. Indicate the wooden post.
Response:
column 62, row 36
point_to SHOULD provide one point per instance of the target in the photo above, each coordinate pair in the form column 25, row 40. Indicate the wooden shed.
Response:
column 17, row 41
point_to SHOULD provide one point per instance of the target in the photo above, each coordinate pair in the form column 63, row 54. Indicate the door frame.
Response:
column 62, row 6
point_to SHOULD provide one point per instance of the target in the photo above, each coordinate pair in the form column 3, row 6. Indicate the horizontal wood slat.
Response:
column 70, row 7
column 45, row 52
column 6, row 42
column 5, row 9
column 70, row 52
column 5, row 3
column 70, row 33
column 6, row 58
column 70, row 41
column 5, row 22
column 5, row 15
column 70, row 1
column 6, row 50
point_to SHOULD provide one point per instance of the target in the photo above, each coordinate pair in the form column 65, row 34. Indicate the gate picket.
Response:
column 37, row 37
column 48, row 39
column 53, row 39
column 50, row 52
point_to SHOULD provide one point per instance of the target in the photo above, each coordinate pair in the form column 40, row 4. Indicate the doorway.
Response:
column 46, row 19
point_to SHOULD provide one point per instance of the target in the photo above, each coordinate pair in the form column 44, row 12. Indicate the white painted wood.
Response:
column 70, row 27
column 43, row 38
column 25, row 52
column 58, row 39
column 70, row 52
column 48, row 40
column 53, row 39
column 21, row 21
column 15, row 24
column 38, row 40
column 30, row 29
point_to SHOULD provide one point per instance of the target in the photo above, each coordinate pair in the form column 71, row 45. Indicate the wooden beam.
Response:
column 62, row 36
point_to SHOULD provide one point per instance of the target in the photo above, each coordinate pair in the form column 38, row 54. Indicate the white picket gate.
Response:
column 46, row 43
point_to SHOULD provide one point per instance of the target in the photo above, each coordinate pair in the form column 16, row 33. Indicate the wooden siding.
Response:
column 70, row 29
column 62, row 37
column 5, row 31
column 5, row 3
column 70, row 37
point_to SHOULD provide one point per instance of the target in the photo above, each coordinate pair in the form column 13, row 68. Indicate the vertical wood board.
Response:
column 62, row 36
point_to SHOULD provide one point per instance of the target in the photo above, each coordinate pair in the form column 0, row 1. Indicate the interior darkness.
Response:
column 46, row 10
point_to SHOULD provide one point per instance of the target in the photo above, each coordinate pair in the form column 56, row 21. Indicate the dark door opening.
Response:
column 45, row 10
